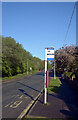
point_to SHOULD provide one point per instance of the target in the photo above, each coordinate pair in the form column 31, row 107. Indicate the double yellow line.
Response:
column 29, row 106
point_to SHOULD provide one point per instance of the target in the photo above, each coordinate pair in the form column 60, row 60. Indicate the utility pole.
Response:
column 27, row 66
column 77, row 23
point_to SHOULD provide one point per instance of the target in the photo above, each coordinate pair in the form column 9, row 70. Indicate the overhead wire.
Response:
column 69, row 22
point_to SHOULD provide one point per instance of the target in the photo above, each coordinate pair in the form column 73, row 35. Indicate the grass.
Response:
column 68, row 74
column 18, row 75
column 54, row 85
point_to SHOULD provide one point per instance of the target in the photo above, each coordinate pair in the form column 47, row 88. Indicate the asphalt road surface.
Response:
column 18, row 94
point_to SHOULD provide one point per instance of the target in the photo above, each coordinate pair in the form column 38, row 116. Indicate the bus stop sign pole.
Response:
column 49, row 55
column 45, row 89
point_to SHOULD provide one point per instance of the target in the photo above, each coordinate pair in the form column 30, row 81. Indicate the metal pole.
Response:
column 54, row 68
column 45, row 89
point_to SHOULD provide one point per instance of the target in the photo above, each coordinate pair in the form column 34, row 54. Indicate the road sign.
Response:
column 30, row 68
column 49, row 54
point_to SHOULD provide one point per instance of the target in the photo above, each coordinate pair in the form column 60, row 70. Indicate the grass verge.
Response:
column 18, row 76
column 54, row 85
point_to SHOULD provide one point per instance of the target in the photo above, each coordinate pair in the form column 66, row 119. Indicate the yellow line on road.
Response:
column 30, row 116
column 8, row 104
column 26, row 97
column 15, row 104
column 21, row 96
column 25, row 110
column 12, row 96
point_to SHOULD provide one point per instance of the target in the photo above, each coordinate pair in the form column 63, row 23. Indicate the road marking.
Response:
column 12, row 96
column 30, row 116
column 25, row 110
column 18, row 95
column 15, row 96
column 15, row 104
column 9, row 104
column 21, row 96
column 26, row 97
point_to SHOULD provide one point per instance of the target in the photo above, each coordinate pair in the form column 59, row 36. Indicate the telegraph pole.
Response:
column 27, row 66
column 77, row 23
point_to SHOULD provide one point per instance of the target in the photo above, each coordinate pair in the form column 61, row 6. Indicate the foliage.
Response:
column 76, row 63
column 15, row 58
column 49, row 64
column 68, row 74
column 67, row 59
column 21, row 75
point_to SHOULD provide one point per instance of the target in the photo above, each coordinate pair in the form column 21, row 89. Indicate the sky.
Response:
column 37, row 25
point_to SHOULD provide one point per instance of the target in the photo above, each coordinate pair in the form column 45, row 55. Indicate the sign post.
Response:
column 45, row 89
column 49, row 55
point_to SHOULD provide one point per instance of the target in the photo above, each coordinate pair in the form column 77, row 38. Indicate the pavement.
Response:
column 63, row 105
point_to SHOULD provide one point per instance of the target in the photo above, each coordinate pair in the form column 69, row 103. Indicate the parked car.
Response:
column 40, row 69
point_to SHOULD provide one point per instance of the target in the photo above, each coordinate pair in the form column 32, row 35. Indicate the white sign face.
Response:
column 50, row 51
column 30, row 68
column 49, row 55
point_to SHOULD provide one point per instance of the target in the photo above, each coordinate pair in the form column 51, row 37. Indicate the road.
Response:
column 18, row 94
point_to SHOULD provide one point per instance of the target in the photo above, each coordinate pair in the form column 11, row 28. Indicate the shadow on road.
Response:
column 29, row 87
column 21, row 90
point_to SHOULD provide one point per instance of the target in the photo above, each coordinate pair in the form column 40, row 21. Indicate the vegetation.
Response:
column 15, row 58
column 67, row 60
column 54, row 85
column 68, row 74
column 18, row 75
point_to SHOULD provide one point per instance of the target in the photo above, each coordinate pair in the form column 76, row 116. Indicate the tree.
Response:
column 65, row 58
column 14, row 58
